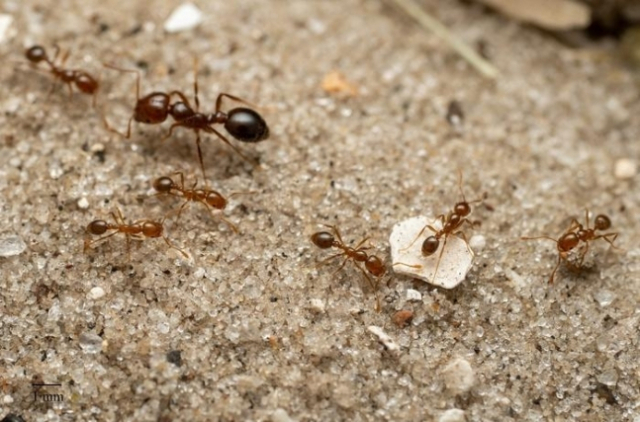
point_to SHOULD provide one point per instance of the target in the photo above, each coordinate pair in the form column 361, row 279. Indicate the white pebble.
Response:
column 83, row 204
column 414, row 295
column 625, row 168
column 184, row 17
column 455, row 261
column 384, row 338
column 12, row 245
column 477, row 242
column 5, row 26
column 90, row 342
column 7, row 399
column 96, row 293
column 317, row 305
column 458, row 376
column 452, row 415
column 281, row 415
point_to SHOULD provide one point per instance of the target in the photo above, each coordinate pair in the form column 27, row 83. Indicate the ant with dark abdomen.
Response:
column 243, row 123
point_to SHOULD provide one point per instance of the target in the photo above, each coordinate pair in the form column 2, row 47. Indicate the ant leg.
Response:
column 375, row 287
column 538, row 238
column 183, row 97
column 172, row 246
column 357, row 247
column 221, row 217
column 195, row 83
column 417, row 266
column 340, row 267
column 180, row 210
column 231, row 97
column 435, row 272
column 583, row 254
column 88, row 242
column 121, row 69
column 209, row 129
column 108, row 126
column 609, row 238
column 324, row 261
column 335, row 231
column 204, row 176
column 428, row 226
column 553, row 273
column 466, row 241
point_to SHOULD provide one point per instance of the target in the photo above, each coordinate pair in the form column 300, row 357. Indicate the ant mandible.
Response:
column 138, row 230
column 577, row 233
column 450, row 225
column 243, row 123
column 86, row 83
column 208, row 197
column 357, row 254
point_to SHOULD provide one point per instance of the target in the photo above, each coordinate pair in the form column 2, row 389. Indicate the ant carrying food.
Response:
column 138, row 230
column 577, row 233
column 372, row 264
column 208, row 197
column 243, row 123
column 451, row 224
column 85, row 83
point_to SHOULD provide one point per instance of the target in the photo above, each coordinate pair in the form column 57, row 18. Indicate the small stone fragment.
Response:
column 402, row 318
column 83, row 204
column 384, row 338
column 625, row 168
column 6, row 31
column 407, row 258
column 458, row 376
column 90, row 342
column 414, row 295
column 184, row 17
column 281, row 415
column 452, row 415
column 175, row 357
column 96, row 293
column 317, row 305
column 477, row 242
column 11, row 245
column 335, row 82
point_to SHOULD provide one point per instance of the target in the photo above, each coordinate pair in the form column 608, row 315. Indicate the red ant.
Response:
column 450, row 225
column 357, row 254
column 86, row 83
column 577, row 233
column 138, row 230
column 208, row 197
column 244, row 124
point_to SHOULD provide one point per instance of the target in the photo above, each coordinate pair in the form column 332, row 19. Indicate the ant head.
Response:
column 97, row 227
column 374, row 265
column 568, row 242
column 462, row 209
column 180, row 111
column 323, row 240
column 430, row 245
column 163, row 184
column 602, row 222
column 152, row 109
column 216, row 200
column 36, row 54
column 246, row 125
column 152, row 229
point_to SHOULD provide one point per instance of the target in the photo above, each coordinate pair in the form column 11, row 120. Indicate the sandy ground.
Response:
column 248, row 328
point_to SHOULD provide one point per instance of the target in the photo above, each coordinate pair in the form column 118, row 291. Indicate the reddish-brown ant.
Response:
column 450, row 225
column 243, row 123
column 577, row 233
column 357, row 254
column 138, row 230
column 208, row 197
column 86, row 83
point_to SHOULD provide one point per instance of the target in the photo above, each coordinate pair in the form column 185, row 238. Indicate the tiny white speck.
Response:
column 184, row 17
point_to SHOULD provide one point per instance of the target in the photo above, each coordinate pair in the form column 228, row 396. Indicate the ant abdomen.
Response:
column 323, row 240
column 163, row 184
column 85, row 82
column 36, row 54
column 98, row 227
column 152, row 229
column 375, row 266
column 216, row 200
column 430, row 245
column 602, row 222
column 246, row 125
column 152, row 109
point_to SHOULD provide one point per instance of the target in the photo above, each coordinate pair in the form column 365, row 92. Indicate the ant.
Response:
column 450, row 225
column 86, row 83
column 357, row 254
column 243, row 123
column 208, row 197
column 577, row 233
column 138, row 230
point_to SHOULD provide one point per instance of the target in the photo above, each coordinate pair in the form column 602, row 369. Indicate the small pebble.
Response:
column 317, row 305
column 625, row 168
column 384, row 338
column 455, row 261
column 12, row 245
column 184, row 17
column 96, row 293
column 477, row 242
column 458, row 376
column 90, row 342
column 5, row 27
column 281, row 415
column 414, row 296
column 452, row 415
column 83, row 204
